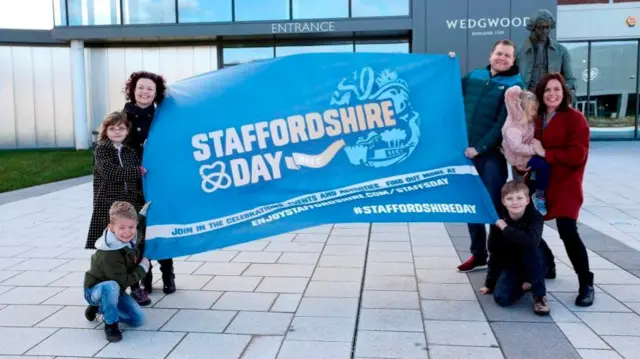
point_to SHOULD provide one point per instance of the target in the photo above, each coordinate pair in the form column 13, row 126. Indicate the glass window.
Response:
column 612, row 90
column 149, row 11
column 21, row 14
column 402, row 47
column 204, row 10
column 240, row 55
column 325, row 9
column 292, row 50
column 94, row 12
column 248, row 10
column 366, row 8
column 59, row 13
column 579, row 53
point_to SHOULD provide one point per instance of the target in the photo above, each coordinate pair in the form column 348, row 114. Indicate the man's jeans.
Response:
column 492, row 168
column 509, row 286
column 113, row 306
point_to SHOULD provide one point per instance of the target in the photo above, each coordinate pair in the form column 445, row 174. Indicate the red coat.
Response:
column 566, row 143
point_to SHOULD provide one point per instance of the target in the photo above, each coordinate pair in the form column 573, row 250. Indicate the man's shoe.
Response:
column 147, row 282
column 112, row 332
column 585, row 297
column 169, row 284
column 91, row 312
column 551, row 272
column 541, row 306
column 141, row 297
column 472, row 264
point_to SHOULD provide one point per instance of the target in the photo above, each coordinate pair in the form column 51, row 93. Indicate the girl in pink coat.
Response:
column 517, row 140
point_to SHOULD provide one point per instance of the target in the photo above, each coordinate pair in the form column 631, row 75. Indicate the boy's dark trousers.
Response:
column 509, row 286
column 492, row 168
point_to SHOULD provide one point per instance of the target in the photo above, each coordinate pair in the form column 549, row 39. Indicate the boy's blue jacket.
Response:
column 506, row 246
column 484, row 107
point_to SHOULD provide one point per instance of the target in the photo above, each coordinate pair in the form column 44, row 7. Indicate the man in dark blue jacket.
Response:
column 483, row 90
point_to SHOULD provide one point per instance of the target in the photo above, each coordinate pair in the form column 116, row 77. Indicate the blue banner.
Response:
column 273, row 146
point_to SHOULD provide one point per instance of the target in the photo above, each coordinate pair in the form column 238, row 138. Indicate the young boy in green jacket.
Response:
column 117, row 264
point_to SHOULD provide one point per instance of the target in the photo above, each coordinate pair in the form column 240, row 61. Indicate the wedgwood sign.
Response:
column 303, row 27
column 487, row 26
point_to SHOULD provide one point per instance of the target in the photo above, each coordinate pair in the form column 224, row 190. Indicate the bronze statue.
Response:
column 540, row 54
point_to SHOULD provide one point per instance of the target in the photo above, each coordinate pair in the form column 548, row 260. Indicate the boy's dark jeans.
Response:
column 492, row 168
column 542, row 171
column 509, row 286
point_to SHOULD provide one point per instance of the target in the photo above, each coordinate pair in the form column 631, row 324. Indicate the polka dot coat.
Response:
column 116, row 175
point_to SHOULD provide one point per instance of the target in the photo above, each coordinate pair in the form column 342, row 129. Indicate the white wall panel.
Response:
column 24, row 97
column 117, row 69
column 36, row 87
column 151, row 59
column 201, row 60
column 43, row 94
column 133, row 60
column 63, row 96
column 7, row 114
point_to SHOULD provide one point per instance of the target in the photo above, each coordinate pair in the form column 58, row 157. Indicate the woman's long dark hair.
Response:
column 541, row 87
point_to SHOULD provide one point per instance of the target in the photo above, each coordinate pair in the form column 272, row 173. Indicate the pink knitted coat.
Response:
column 517, row 131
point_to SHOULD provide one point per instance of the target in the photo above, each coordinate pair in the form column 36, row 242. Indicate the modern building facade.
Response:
column 58, row 80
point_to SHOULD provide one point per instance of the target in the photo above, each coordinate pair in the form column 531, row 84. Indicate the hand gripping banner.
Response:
column 265, row 148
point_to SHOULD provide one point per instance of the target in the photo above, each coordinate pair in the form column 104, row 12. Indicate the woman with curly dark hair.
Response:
column 143, row 91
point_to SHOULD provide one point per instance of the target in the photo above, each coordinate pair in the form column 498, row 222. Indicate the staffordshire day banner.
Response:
column 265, row 148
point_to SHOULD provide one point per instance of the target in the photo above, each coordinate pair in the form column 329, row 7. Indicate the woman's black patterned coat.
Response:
column 115, row 178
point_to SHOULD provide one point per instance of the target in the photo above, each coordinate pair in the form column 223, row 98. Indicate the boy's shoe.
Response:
column 147, row 282
column 540, row 203
column 91, row 312
column 169, row 284
column 472, row 264
column 141, row 297
column 112, row 332
column 541, row 306
column 585, row 297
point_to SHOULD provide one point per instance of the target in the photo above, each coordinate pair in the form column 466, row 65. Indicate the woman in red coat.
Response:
column 562, row 139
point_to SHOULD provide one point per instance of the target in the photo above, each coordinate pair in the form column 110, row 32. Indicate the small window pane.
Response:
column 204, row 10
column 149, row 11
column 240, row 55
column 94, row 12
column 292, row 50
column 365, row 8
column 248, row 10
column 402, row 47
column 20, row 14
column 324, row 9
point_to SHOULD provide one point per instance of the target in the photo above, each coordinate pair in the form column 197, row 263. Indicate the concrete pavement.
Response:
column 336, row 291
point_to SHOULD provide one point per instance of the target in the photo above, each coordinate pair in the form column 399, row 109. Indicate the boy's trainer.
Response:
column 112, row 332
column 541, row 305
column 91, row 312
column 141, row 297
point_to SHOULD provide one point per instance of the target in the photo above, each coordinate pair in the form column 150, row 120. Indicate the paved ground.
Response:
column 335, row 291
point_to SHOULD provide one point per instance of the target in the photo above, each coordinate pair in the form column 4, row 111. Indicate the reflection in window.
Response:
column 204, row 10
column 612, row 92
column 579, row 53
column 94, row 12
column 240, row 55
column 21, row 14
column 364, row 8
column 247, row 10
column 292, row 50
column 325, row 9
column 402, row 47
column 59, row 13
column 149, row 11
